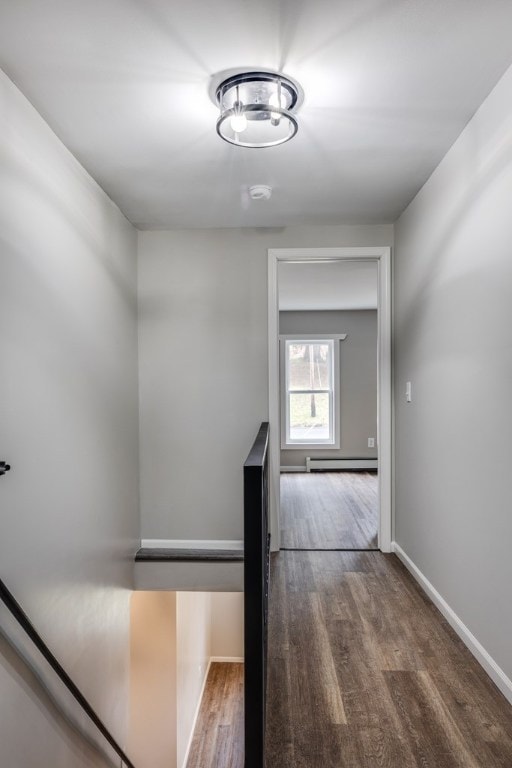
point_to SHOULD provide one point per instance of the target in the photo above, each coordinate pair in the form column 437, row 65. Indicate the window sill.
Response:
column 310, row 446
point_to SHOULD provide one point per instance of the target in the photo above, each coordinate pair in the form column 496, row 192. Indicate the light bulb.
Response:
column 239, row 122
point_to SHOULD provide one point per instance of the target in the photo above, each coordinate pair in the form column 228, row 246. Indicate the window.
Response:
column 309, row 387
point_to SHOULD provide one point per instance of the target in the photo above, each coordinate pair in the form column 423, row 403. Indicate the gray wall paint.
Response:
column 453, row 300
column 203, row 368
column 358, row 379
column 68, row 425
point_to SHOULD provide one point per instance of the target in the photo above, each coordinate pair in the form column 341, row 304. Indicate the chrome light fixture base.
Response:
column 256, row 109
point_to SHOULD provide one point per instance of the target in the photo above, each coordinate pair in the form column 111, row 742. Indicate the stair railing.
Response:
column 256, row 584
column 30, row 631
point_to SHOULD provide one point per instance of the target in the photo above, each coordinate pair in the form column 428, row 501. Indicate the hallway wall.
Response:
column 153, row 680
column 175, row 636
column 453, row 301
column 203, row 351
column 68, row 426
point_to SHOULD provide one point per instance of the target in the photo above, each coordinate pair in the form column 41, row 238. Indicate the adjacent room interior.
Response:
column 328, row 328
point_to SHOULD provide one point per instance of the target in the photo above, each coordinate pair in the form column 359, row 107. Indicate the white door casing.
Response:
column 382, row 256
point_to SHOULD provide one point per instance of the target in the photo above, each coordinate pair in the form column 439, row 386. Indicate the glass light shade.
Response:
column 265, row 100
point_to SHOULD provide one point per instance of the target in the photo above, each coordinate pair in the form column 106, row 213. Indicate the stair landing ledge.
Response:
column 212, row 566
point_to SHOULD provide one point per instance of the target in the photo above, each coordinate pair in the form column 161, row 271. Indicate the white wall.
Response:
column 453, row 300
column 173, row 637
column 68, row 423
column 203, row 368
column 228, row 625
column 193, row 626
column 153, row 683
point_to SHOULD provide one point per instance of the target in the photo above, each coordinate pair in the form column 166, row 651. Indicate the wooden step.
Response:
column 201, row 570
column 188, row 555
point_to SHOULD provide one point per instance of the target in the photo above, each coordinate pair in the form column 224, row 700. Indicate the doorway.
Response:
column 308, row 419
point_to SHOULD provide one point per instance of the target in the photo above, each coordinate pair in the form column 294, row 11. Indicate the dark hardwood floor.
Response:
column 364, row 672
column 219, row 734
column 329, row 510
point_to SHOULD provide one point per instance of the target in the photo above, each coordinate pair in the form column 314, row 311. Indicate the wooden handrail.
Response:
column 21, row 617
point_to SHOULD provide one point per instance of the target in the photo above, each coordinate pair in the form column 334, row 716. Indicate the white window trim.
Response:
column 313, row 336
column 334, row 403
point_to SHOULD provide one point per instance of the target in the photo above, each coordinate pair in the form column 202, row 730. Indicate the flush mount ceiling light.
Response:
column 256, row 108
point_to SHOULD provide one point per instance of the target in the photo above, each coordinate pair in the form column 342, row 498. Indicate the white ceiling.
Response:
column 327, row 285
column 389, row 84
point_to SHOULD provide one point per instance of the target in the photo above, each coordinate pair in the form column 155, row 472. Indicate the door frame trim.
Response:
column 382, row 256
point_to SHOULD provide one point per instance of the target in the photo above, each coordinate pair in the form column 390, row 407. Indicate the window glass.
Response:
column 308, row 366
column 309, row 416
column 308, row 392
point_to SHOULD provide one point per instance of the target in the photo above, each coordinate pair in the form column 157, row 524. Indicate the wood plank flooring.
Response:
column 329, row 510
column 219, row 734
column 364, row 672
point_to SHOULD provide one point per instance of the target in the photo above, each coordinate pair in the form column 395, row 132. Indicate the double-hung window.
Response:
column 310, row 392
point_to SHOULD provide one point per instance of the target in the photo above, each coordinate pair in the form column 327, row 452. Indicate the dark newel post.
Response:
column 256, row 573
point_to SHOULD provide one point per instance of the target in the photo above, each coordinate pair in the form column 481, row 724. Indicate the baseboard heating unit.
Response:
column 350, row 464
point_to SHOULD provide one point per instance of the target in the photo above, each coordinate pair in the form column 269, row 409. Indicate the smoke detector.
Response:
column 260, row 192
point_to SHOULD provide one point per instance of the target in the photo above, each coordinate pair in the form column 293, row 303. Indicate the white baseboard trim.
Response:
column 196, row 715
column 228, row 659
column 292, row 469
column 485, row 660
column 191, row 544
column 312, row 463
